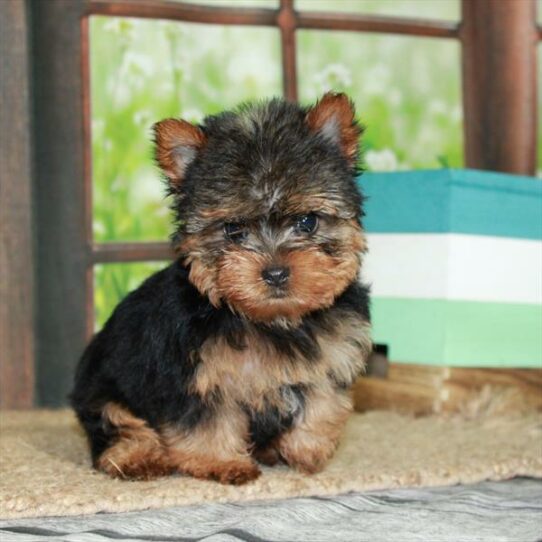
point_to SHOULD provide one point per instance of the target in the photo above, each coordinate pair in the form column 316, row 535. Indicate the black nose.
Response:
column 276, row 276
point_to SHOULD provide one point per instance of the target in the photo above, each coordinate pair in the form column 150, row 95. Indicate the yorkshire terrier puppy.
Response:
column 244, row 348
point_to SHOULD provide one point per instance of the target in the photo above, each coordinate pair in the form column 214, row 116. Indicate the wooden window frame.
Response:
column 286, row 19
column 499, row 96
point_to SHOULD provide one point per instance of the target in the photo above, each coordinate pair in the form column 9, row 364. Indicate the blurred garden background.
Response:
column 407, row 91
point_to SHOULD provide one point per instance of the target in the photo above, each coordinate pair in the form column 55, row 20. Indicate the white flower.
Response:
column 142, row 117
column 98, row 227
column 192, row 115
column 384, row 160
column 134, row 74
column 148, row 190
column 163, row 86
column 376, row 81
column 97, row 127
column 124, row 27
column 138, row 62
column 457, row 113
column 113, row 24
column 117, row 184
column 249, row 67
column 437, row 107
column 395, row 97
column 333, row 76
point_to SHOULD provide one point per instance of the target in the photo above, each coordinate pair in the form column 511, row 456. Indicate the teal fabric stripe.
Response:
column 455, row 201
column 459, row 333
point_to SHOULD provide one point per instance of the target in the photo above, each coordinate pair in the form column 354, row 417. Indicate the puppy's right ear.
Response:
column 177, row 143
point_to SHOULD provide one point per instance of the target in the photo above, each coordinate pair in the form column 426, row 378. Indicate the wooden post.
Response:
column 16, row 252
column 64, row 279
column 499, row 39
column 287, row 23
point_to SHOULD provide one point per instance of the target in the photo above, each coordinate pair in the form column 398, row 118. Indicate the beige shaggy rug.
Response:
column 45, row 469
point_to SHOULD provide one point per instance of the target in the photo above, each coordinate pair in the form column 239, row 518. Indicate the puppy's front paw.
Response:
column 269, row 456
column 305, row 452
column 235, row 472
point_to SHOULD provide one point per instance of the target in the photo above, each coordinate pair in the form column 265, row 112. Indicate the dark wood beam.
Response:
column 499, row 41
column 354, row 22
column 182, row 11
column 16, row 250
column 131, row 252
column 64, row 278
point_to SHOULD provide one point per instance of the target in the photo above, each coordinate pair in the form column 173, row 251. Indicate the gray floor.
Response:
column 488, row 512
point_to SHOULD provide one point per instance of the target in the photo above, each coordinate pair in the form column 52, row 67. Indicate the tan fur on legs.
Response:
column 313, row 439
column 215, row 450
column 138, row 453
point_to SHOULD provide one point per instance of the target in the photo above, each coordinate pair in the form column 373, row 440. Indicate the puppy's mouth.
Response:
column 278, row 292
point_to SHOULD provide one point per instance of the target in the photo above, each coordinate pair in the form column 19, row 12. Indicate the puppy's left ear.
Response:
column 333, row 117
column 177, row 143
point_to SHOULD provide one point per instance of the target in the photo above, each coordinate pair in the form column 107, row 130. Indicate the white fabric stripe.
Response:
column 454, row 266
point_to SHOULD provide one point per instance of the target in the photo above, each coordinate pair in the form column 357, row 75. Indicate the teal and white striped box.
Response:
column 455, row 263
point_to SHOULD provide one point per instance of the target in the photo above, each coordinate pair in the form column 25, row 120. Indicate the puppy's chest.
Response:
column 252, row 375
column 256, row 374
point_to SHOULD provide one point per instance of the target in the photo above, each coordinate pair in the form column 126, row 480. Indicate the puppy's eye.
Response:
column 235, row 231
column 306, row 223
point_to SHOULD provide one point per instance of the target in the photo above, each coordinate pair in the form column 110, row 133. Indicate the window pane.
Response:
column 427, row 9
column 113, row 281
column 406, row 89
column 143, row 71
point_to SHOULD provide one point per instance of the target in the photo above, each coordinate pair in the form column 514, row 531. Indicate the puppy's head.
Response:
column 267, row 207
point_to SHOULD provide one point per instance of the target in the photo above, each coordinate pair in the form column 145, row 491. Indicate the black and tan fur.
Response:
column 214, row 363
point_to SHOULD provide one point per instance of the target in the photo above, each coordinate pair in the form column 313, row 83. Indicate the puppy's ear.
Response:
column 333, row 117
column 177, row 143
